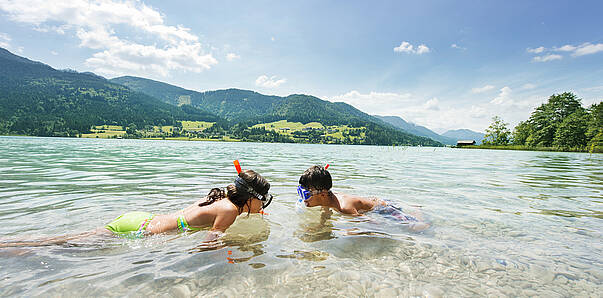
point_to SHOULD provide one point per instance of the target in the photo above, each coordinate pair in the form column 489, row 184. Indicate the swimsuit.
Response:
column 394, row 212
column 130, row 224
column 183, row 225
column 135, row 223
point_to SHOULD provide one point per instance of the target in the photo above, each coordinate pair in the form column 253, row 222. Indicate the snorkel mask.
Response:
column 241, row 184
column 304, row 195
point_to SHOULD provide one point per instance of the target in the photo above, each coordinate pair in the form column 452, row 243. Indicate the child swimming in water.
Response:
column 217, row 210
column 315, row 190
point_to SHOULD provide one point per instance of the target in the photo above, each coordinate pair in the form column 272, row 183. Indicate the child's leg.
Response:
column 57, row 240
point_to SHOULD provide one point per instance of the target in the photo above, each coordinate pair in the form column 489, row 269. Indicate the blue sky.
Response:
column 440, row 64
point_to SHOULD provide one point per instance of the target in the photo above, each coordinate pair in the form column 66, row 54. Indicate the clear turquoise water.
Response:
column 504, row 223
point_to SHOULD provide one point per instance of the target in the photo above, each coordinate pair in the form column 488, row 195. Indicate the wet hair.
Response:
column 238, row 196
column 317, row 177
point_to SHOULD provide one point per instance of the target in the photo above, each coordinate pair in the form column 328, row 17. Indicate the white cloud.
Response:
column 272, row 38
column 546, row 58
column 406, row 47
column 269, row 82
column 232, row 56
column 580, row 50
column 587, row 49
column 100, row 26
column 416, row 109
column 504, row 97
column 535, row 50
column 565, row 48
column 54, row 53
column 482, row 89
column 422, row 49
column 436, row 114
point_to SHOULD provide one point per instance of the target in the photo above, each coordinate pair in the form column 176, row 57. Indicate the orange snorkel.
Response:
column 237, row 166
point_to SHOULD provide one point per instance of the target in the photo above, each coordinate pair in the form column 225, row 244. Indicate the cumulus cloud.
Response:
column 504, row 97
column 436, row 114
column 546, row 58
column 406, row 47
column 101, row 25
column 412, row 108
column 269, row 82
column 232, row 56
column 482, row 89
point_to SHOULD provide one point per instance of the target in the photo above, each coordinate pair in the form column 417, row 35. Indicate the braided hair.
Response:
column 239, row 197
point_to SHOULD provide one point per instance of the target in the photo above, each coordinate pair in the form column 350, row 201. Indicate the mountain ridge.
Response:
column 36, row 99
column 417, row 129
column 465, row 134
column 252, row 107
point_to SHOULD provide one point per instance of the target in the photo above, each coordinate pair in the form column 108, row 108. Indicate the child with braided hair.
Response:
column 217, row 210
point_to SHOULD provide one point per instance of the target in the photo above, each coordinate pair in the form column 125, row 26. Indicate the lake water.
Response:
column 504, row 223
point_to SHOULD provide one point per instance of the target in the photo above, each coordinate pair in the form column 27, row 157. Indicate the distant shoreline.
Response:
column 526, row 148
column 229, row 140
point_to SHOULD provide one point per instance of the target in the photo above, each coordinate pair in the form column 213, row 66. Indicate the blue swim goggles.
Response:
column 303, row 193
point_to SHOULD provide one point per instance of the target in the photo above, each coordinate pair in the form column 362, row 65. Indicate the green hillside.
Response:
column 248, row 108
column 232, row 104
column 36, row 99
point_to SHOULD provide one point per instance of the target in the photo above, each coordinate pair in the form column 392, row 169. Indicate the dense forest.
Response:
column 36, row 99
column 562, row 124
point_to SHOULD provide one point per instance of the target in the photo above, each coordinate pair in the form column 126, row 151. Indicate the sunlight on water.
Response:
column 503, row 223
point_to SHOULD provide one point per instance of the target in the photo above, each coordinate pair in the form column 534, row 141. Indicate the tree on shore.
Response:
column 562, row 123
column 497, row 133
column 547, row 118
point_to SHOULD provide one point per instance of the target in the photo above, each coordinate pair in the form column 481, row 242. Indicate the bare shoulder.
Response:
column 224, row 207
column 358, row 203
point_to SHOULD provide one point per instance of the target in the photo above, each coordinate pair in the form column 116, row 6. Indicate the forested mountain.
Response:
column 233, row 104
column 36, row 99
column 250, row 107
column 417, row 129
column 465, row 134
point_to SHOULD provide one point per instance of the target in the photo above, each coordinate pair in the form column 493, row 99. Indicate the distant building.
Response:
column 461, row 143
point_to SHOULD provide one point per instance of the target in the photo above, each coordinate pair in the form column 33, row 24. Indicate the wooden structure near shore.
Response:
column 461, row 143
